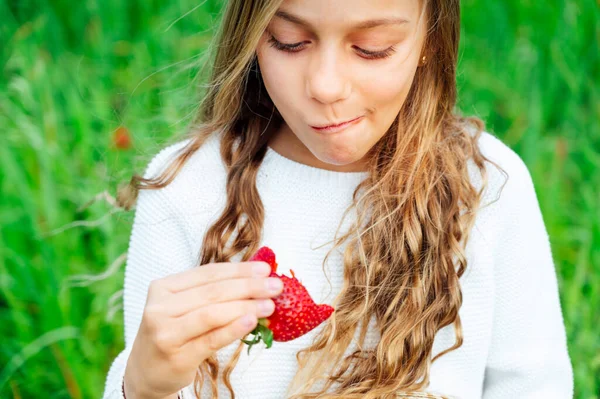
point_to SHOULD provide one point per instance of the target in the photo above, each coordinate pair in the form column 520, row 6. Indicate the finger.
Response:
column 208, row 318
column 211, row 342
column 222, row 291
column 210, row 272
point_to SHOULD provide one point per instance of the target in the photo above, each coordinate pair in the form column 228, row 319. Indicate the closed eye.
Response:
column 297, row 47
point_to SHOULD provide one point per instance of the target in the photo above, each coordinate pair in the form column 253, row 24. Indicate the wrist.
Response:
column 131, row 395
column 128, row 387
column 131, row 389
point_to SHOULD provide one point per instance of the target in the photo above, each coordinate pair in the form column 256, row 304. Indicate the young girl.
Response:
column 329, row 134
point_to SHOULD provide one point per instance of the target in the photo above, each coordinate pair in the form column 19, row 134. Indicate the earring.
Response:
column 423, row 60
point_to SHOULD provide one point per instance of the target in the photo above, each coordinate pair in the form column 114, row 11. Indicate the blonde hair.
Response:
column 417, row 199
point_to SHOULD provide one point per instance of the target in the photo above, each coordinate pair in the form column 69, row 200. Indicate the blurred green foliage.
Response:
column 73, row 72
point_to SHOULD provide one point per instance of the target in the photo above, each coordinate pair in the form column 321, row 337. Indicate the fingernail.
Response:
column 274, row 284
column 260, row 269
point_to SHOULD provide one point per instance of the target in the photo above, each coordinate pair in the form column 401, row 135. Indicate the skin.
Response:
column 328, row 79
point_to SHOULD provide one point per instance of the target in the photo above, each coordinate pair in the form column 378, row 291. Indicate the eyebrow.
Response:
column 361, row 25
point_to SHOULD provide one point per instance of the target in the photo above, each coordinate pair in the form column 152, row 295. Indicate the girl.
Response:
column 329, row 116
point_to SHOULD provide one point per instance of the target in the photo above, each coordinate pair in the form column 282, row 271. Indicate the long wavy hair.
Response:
column 414, row 211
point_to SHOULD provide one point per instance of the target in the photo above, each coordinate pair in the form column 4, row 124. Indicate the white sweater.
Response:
column 514, row 336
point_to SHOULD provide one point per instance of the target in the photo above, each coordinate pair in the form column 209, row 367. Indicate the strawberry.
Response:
column 265, row 254
column 295, row 311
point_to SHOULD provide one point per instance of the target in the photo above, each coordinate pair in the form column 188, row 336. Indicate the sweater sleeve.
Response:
column 528, row 355
column 158, row 247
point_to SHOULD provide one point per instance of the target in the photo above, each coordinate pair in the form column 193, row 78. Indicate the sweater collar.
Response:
column 274, row 162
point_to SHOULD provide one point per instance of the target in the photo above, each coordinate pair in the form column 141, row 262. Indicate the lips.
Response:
column 337, row 127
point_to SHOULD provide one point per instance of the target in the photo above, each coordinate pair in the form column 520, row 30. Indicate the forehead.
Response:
column 348, row 15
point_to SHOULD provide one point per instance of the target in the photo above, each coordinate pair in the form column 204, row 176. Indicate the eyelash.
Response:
column 296, row 47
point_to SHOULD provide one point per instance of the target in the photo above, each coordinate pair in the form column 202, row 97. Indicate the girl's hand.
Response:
column 189, row 316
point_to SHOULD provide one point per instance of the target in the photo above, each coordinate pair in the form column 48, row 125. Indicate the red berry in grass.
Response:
column 122, row 138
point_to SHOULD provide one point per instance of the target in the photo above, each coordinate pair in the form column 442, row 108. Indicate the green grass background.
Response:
column 72, row 72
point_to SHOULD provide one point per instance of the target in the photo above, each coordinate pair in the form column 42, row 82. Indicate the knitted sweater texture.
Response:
column 514, row 336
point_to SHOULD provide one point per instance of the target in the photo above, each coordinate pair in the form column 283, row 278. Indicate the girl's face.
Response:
column 325, row 62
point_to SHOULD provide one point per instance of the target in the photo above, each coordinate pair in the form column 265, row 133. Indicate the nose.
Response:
column 326, row 79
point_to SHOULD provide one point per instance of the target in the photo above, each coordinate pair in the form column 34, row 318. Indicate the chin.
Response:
column 339, row 159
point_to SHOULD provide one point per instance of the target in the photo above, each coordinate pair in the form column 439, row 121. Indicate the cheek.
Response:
column 387, row 84
column 273, row 77
column 387, row 91
column 279, row 79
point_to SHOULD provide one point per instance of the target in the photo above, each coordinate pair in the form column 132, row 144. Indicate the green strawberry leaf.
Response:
column 261, row 332
column 267, row 336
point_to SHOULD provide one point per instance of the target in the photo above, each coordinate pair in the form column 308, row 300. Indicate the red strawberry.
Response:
column 265, row 254
column 295, row 312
